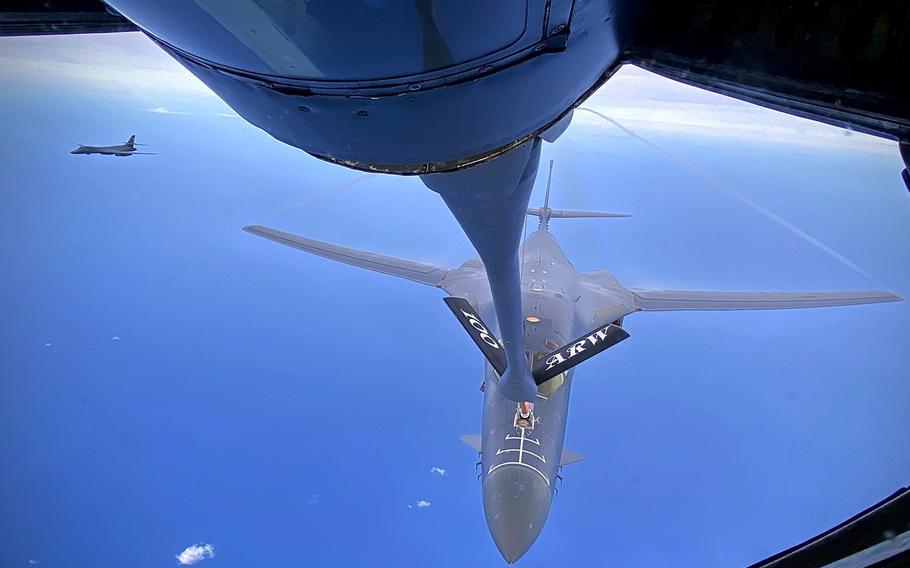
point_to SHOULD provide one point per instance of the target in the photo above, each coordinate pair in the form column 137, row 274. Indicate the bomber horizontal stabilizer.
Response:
column 576, row 351
column 479, row 332
column 471, row 441
column 568, row 214
column 568, row 456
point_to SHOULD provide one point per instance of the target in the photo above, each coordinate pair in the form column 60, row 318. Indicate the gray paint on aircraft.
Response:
column 558, row 303
column 128, row 148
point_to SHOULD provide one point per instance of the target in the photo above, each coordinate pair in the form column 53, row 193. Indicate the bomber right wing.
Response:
column 408, row 269
column 680, row 300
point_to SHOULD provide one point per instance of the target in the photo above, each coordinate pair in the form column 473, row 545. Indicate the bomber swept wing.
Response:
column 408, row 269
column 681, row 300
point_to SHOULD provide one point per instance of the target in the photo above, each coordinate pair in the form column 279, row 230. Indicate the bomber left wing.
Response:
column 408, row 269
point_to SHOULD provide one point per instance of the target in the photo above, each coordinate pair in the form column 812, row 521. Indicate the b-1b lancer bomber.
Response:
column 128, row 148
column 568, row 316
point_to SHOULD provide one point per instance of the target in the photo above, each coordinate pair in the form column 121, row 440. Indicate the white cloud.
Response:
column 438, row 471
column 34, row 562
column 47, row 344
column 115, row 338
column 423, row 504
column 128, row 65
column 196, row 553
column 165, row 110
column 650, row 104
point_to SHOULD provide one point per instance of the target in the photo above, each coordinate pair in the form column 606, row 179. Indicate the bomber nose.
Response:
column 516, row 501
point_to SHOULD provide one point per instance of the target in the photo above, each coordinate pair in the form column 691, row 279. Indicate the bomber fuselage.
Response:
column 120, row 150
column 520, row 463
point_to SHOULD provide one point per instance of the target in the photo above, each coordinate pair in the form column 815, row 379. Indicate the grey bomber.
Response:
column 522, row 452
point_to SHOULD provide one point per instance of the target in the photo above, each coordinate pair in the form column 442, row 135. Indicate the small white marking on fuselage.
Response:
column 531, row 467
column 521, row 452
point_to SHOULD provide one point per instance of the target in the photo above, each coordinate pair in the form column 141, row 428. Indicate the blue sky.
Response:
column 167, row 380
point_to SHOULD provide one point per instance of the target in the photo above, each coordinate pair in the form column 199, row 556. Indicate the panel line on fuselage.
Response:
column 532, row 440
column 522, row 452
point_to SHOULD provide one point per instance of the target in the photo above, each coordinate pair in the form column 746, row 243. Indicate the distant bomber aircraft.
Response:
column 128, row 148
column 521, row 445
